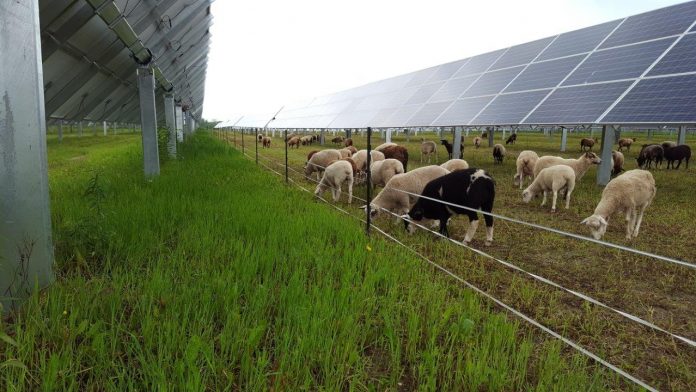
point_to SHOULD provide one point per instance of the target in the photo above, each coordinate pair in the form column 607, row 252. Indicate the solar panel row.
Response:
column 640, row 69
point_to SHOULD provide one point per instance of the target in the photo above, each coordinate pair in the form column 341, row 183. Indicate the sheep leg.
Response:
column 471, row 230
column 639, row 221
column 488, row 207
column 553, row 202
column 337, row 192
column 443, row 226
column 543, row 201
column 350, row 191
column 630, row 222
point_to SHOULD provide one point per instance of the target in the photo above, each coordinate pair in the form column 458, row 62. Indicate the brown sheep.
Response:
column 617, row 159
column 290, row 136
column 586, row 142
column 309, row 156
column 352, row 149
column 259, row 137
column 626, row 143
column 295, row 141
column 266, row 142
column 397, row 152
column 337, row 140
column 348, row 142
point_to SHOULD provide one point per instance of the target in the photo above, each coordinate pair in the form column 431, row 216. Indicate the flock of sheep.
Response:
column 432, row 194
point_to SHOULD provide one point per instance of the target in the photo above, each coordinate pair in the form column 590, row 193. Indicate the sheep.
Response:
column 306, row 140
column 586, row 142
column 360, row 158
column 626, row 143
column 472, row 188
column 650, row 153
column 315, row 138
column 382, row 146
column 498, row 153
column 311, row 153
column 511, row 139
column 525, row 166
column 295, row 141
column 400, row 203
column 352, row 164
column 617, row 161
column 337, row 140
column 348, row 142
column 397, row 152
column 335, row 175
column 551, row 179
column 266, row 141
column 319, row 161
column 477, row 142
column 484, row 135
column 428, row 148
column 580, row 165
column 448, row 147
column 382, row 171
column 630, row 193
column 259, row 137
column 290, row 136
column 352, row 150
column 345, row 153
column 668, row 144
column 455, row 164
column 677, row 153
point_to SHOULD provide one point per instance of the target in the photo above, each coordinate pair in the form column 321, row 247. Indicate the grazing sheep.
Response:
column 290, row 136
column 668, row 144
column 587, row 143
column 335, row 175
column 391, row 199
column 477, row 142
column 266, row 141
column 472, row 188
column 617, row 162
column 455, row 164
column 337, row 140
column 484, row 135
column 630, row 193
column 348, row 142
column 259, row 137
column 650, row 153
column 498, row 153
column 525, row 166
column 352, row 150
column 352, row 164
column 580, row 165
column 319, row 161
column 360, row 158
column 399, row 153
column 678, row 153
column 345, row 153
column 428, row 148
column 552, row 179
column 315, row 138
column 626, row 143
column 449, row 146
column 382, row 171
column 306, row 140
column 382, row 146
column 311, row 154
column 295, row 141
column 511, row 139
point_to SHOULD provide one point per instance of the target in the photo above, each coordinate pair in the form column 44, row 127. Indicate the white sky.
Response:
column 267, row 53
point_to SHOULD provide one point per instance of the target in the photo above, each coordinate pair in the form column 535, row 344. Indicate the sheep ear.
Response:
column 584, row 221
column 604, row 221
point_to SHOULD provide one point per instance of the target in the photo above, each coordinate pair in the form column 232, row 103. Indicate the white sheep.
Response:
column 360, row 158
column 630, row 193
column 334, row 176
column 525, row 166
column 414, row 181
column 477, row 142
column 580, row 165
column 552, row 179
column 428, row 148
column 382, row 171
column 498, row 153
column 455, row 164
column 384, row 145
column 345, row 153
column 320, row 160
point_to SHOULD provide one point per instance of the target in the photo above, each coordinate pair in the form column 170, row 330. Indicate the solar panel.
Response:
column 509, row 108
column 545, row 74
column 462, row 111
column 479, row 64
column 679, row 59
column 402, row 115
column 580, row 104
column 618, row 63
column 419, row 77
column 492, row 82
column 521, row 54
column 428, row 113
column 424, row 93
column 445, row 71
column 664, row 99
column 453, row 88
column 650, row 25
column 578, row 41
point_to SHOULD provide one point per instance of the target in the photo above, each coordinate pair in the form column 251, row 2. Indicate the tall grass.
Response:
column 217, row 277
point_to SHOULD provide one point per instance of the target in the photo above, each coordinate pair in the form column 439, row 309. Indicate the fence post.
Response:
column 257, row 145
column 286, row 155
column 242, row 141
column 604, row 169
column 369, row 179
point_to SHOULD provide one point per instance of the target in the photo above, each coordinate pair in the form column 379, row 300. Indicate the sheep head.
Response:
column 593, row 158
column 527, row 195
column 597, row 224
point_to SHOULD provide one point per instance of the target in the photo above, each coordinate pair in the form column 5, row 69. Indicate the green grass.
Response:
column 215, row 276
column 651, row 289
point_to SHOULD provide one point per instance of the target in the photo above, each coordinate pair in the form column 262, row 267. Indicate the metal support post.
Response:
column 79, row 127
column 617, row 135
column 26, row 250
column 369, row 180
column 650, row 134
column 564, row 139
column 148, row 121
column 106, row 128
column 457, row 143
column 286, row 156
column 389, row 135
column 169, row 114
column 179, row 124
column 60, row 131
column 256, row 136
column 681, row 137
column 490, row 130
column 321, row 137
column 604, row 170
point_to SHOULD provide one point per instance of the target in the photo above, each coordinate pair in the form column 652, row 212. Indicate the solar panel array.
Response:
column 640, row 69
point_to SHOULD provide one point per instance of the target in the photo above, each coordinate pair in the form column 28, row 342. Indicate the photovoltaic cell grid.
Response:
column 496, row 88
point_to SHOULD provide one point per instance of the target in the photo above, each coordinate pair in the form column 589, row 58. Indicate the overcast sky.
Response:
column 267, row 53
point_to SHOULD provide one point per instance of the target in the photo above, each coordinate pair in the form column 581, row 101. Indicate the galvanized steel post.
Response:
column 148, row 121
column 26, row 250
column 681, row 137
column 564, row 138
column 457, row 143
column 389, row 135
column 169, row 115
column 60, row 131
column 105, row 128
column 179, row 123
column 604, row 170
column 490, row 130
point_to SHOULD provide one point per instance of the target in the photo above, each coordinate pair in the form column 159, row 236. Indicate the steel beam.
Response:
column 169, row 113
column 26, row 250
column 604, row 170
column 148, row 121
column 681, row 137
column 457, row 143
column 491, row 141
column 179, row 123
column 564, row 139
column 60, row 131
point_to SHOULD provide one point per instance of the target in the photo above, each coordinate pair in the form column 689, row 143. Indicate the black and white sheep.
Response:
column 448, row 147
column 511, row 139
column 472, row 188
